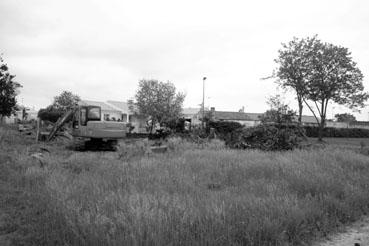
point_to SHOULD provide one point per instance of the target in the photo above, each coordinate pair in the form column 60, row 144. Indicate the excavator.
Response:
column 88, row 125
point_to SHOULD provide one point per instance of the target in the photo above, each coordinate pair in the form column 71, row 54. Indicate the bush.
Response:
column 224, row 128
column 267, row 137
column 50, row 114
column 330, row 132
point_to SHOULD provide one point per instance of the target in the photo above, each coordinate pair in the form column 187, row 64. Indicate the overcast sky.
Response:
column 101, row 49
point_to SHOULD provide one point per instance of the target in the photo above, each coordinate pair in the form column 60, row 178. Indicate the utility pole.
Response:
column 203, row 101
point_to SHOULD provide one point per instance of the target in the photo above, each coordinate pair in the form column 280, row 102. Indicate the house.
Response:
column 192, row 115
column 25, row 114
column 307, row 120
column 137, row 121
column 252, row 119
column 246, row 119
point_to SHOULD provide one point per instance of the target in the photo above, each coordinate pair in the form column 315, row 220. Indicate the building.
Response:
column 192, row 115
column 246, row 119
column 137, row 121
column 25, row 114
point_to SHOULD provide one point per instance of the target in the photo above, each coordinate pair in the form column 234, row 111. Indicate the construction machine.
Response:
column 87, row 124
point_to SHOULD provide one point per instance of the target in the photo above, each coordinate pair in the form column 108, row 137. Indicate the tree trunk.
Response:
column 320, row 133
column 322, row 120
column 300, row 109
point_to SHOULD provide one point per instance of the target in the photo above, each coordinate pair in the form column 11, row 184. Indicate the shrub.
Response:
column 331, row 132
column 267, row 137
column 224, row 128
column 50, row 114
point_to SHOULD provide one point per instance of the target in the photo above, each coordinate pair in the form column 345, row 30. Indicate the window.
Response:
column 106, row 117
column 94, row 113
column 82, row 117
column 124, row 117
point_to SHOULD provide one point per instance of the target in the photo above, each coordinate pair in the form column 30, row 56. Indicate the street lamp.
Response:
column 203, row 101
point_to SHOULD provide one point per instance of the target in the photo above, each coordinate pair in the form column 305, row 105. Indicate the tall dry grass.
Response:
column 191, row 196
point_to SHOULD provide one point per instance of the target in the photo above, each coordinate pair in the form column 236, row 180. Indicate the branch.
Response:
column 316, row 105
column 311, row 110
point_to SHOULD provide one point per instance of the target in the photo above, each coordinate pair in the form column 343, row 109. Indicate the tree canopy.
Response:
column 320, row 73
column 66, row 100
column 158, row 100
column 279, row 112
column 293, row 68
column 345, row 117
column 8, row 91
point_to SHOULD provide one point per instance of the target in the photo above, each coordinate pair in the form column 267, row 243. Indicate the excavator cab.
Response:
column 87, row 123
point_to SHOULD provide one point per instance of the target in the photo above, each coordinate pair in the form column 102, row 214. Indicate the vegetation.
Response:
column 193, row 195
column 321, row 73
column 293, row 68
column 345, row 117
column 65, row 101
column 332, row 132
column 159, row 101
column 8, row 91
column 62, row 103
column 279, row 112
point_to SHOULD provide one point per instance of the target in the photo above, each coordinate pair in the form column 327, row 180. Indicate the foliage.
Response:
column 62, row 103
column 329, row 74
column 8, row 91
column 269, row 137
column 279, row 112
column 345, row 117
column 224, row 128
column 331, row 132
column 158, row 100
column 50, row 113
column 293, row 68
column 65, row 101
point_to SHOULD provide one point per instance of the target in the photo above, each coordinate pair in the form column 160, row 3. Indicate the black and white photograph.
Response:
column 197, row 122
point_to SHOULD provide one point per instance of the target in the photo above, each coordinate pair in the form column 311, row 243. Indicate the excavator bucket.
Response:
column 60, row 122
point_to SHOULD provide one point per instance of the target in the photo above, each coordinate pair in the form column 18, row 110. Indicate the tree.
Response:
column 158, row 100
column 333, row 76
column 279, row 112
column 293, row 68
column 345, row 117
column 61, row 104
column 319, row 73
column 65, row 101
column 8, row 91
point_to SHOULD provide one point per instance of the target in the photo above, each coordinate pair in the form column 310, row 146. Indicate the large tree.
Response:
column 8, row 91
column 327, row 74
column 293, row 68
column 333, row 77
column 159, row 101
column 66, row 100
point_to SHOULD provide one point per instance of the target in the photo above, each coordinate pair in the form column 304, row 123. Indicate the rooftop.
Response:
column 102, row 105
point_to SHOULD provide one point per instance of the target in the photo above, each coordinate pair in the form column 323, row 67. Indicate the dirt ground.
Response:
column 355, row 235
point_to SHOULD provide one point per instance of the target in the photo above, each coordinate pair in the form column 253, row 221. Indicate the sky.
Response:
column 99, row 50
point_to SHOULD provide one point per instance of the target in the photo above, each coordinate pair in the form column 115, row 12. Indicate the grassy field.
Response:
column 192, row 195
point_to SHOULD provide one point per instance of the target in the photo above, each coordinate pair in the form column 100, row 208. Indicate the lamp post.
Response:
column 203, row 101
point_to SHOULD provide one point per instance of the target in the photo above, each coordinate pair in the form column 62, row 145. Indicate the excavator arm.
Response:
column 60, row 122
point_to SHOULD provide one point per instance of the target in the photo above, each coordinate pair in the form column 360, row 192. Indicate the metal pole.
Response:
column 203, row 102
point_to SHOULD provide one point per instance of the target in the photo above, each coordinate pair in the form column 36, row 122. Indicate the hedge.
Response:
column 331, row 132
